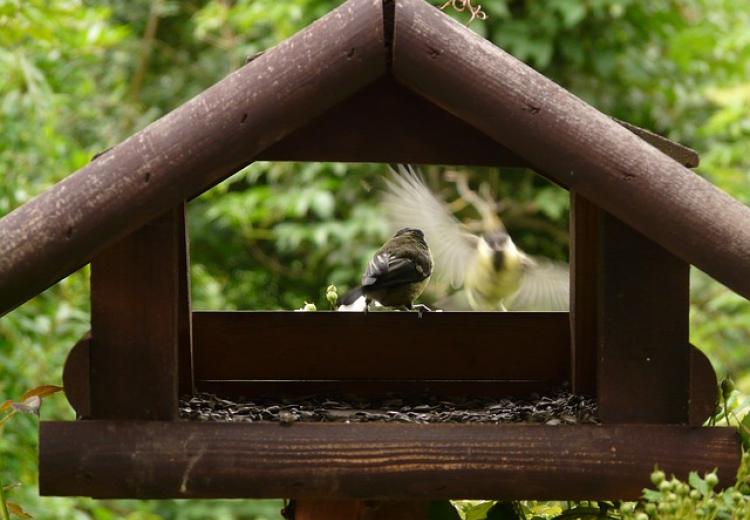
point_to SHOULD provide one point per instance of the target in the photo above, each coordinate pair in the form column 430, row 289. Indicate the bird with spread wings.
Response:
column 488, row 270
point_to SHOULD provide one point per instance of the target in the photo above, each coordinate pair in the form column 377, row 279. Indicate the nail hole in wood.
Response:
column 244, row 118
column 69, row 232
column 147, row 177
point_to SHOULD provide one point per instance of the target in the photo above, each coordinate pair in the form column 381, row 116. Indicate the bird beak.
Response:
column 498, row 259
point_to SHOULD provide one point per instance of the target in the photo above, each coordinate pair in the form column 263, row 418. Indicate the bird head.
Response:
column 415, row 233
column 498, row 247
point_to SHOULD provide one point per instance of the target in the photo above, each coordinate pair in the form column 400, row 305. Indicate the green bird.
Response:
column 397, row 273
column 492, row 271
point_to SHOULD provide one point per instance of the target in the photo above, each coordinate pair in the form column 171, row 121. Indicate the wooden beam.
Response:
column 642, row 328
column 572, row 142
column 184, row 310
column 135, row 324
column 152, row 459
column 190, row 149
column 362, row 510
column 584, row 234
column 401, row 127
column 381, row 345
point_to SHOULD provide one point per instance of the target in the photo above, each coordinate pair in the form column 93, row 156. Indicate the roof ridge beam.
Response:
column 571, row 142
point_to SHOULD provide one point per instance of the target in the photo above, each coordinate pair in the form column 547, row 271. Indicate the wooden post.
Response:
column 643, row 297
column 584, row 229
column 136, row 301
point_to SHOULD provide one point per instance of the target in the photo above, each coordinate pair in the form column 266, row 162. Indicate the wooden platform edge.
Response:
column 156, row 459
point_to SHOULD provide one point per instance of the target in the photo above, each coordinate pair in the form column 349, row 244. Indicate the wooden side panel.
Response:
column 153, row 459
column 381, row 345
column 392, row 125
column 704, row 392
column 642, row 326
column 135, row 325
column 77, row 377
column 184, row 310
column 584, row 238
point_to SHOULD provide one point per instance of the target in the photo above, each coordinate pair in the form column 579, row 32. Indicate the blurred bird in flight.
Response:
column 494, row 273
column 396, row 275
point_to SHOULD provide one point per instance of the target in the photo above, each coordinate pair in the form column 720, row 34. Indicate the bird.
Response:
column 396, row 275
column 488, row 270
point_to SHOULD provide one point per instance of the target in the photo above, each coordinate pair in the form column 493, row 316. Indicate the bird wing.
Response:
column 545, row 286
column 388, row 270
column 408, row 202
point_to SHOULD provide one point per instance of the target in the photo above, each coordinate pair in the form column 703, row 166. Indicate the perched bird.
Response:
column 494, row 273
column 397, row 273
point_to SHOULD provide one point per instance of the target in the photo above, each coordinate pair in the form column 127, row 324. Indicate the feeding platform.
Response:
column 391, row 82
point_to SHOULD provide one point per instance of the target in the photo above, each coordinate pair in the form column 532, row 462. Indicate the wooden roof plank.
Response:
column 571, row 142
column 196, row 145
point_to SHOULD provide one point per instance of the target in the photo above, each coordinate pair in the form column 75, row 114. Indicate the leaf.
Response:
column 442, row 510
column 41, row 391
column 745, row 432
column 6, row 405
column 698, row 483
column 17, row 510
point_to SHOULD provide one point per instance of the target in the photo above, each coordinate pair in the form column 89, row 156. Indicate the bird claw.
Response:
column 420, row 308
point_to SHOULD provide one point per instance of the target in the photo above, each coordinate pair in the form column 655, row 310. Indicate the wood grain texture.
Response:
column 191, row 148
column 571, row 142
column 584, row 235
column 642, row 327
column 135, row 330
column 399, row 127
column 377, row 388
column 152, row 459
column 381, row 345
column 704, row 390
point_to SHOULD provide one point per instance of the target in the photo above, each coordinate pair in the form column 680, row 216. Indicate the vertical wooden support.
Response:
column 136, row 327
column 184, row 310
column 643, row 368
column 584, row 235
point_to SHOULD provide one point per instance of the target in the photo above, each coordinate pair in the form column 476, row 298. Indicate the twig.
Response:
column 147, row 43
column 487, row 208
column 4, row 514
column 461, row 5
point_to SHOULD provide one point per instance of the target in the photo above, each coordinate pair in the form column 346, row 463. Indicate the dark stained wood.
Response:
column 704, row 392
column 361, row 509
column 642, row 328
column 377, row 388
column 680, row 153
column 184, row 310
column 193, row 147
column 153, row 459
column 584, row 233
column 381, row 345
column 134, row 323
column 391, row 125
column 76, row 377
column 572, row 142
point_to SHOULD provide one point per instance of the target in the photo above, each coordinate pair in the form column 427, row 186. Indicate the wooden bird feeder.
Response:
column 390, row 82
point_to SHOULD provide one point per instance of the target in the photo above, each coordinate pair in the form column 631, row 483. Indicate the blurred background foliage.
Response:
column 80, row 76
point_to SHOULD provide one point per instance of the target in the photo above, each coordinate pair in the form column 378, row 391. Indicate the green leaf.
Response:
column 698, row 483
column 744, row 429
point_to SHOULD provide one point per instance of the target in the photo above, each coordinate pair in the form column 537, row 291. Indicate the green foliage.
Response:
column 79, row 77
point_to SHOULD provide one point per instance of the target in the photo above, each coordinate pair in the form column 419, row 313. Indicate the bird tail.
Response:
column 352, row 296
